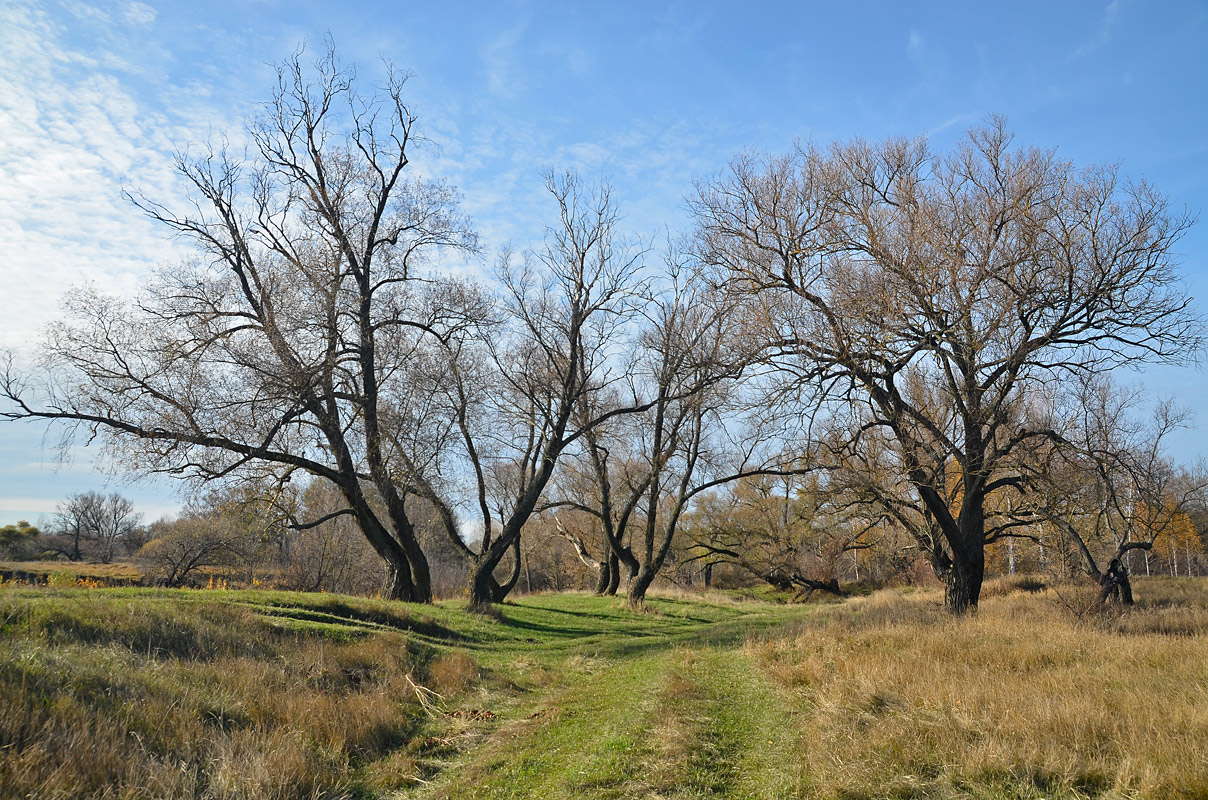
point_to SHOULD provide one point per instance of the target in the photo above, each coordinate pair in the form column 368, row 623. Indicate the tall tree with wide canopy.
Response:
column 979, row 274
column 280, row 346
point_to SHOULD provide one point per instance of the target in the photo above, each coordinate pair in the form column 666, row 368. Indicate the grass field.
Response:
column 255, row 694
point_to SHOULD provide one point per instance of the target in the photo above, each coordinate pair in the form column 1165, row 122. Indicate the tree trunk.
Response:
column 603, row 575
column 481, row 587
column 485, row 590
column 963, row 588
column 500, row 591
column 399, row 585
column 1116, row 585
column 967, row 537
column 407, row 566
column 614, row 575
column 639, row 583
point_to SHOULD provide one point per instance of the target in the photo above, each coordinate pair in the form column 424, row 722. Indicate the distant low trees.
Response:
column 94, row 526
column 17, row 540
column 181, row 549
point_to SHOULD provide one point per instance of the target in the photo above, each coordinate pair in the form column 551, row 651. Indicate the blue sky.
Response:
column 96, row 96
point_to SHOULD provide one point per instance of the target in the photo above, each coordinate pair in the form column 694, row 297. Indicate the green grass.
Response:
column 133, row 693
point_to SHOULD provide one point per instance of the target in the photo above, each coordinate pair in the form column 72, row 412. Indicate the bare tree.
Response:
column 1105, row 486
column 690, row 437
column 91, row 525
column 513, row 390
column 787, row 532
column 179, row 549
column 279, row 348
column 977, row 275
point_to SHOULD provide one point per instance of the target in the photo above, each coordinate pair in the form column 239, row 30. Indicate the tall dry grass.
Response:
column 1032, row 697
column 142, row 697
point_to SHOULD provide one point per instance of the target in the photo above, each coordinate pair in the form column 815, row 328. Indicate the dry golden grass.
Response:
column 452, row 673
column 127, row 697
column 42, row 570
column 1025, row 699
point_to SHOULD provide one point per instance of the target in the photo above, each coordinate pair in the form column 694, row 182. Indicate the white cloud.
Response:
column 34, row 505
column 138, row 14
column 75, row 133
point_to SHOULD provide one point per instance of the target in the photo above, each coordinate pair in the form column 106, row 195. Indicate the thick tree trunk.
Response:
column 481, row 588
column 399, row 585
column 417, row 562
column 639, row 583
column 967, row 537
column 1115, row 583
column 963, row 588
column 408, row 578
column 484, row 588
column 500, row 590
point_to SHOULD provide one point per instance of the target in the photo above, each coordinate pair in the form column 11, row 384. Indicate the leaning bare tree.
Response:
column 978, row 274
column 279, row 347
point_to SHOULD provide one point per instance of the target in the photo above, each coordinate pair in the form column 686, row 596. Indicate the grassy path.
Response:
column 684, row 720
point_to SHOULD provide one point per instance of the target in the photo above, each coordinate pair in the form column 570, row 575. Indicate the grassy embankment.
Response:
column 152, row 693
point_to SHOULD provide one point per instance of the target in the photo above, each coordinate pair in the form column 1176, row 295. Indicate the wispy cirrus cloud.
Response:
column 76, row 131
column 504, row 77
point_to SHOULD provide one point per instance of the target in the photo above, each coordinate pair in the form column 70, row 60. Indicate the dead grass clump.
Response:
column 887, row 608
column 275, row 765
column 148, row 626
column 1020, row 699
column 1013, row 584
column 452, row 673
column 1158, row 620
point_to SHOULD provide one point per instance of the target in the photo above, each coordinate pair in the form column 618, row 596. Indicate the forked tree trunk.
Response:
column 418, row 572
column 1115, row 584
column 481, row 588
column 399, row 585
column 500, row 590
column 484, row 588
